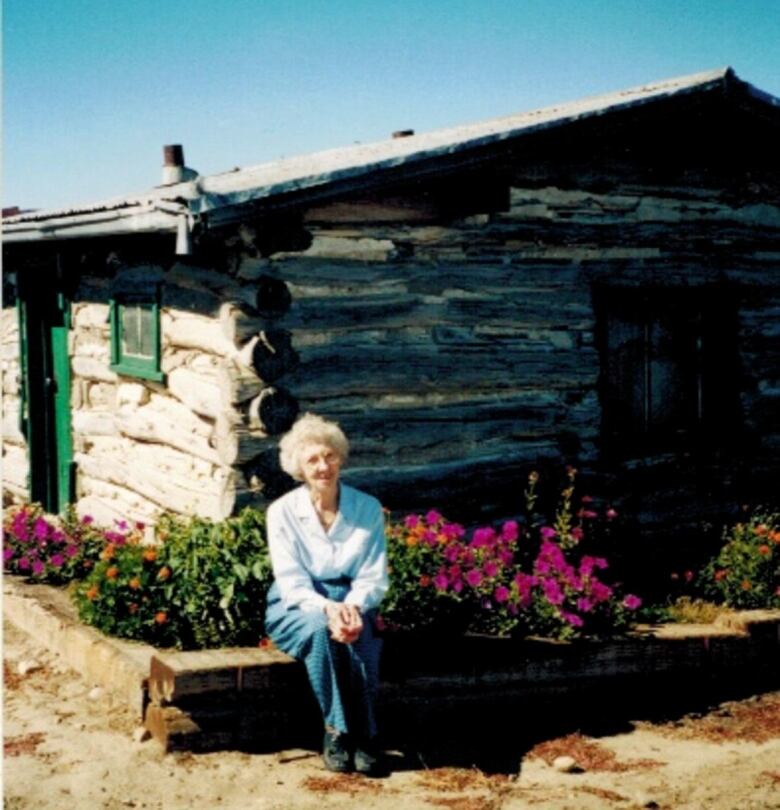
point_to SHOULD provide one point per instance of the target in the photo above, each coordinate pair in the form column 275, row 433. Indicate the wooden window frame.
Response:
column 708, row 370
column 132, row 365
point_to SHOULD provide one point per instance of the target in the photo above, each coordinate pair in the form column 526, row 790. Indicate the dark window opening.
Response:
column 669, row 369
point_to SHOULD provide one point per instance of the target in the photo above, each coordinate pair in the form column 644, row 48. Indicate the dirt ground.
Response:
column 69, row 747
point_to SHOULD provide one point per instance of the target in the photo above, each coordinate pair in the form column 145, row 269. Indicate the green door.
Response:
column 44, row 324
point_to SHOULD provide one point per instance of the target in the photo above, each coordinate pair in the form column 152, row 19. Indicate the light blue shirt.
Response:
column 354, row 547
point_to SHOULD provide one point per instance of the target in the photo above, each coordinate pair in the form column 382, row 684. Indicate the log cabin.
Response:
column 594, row 283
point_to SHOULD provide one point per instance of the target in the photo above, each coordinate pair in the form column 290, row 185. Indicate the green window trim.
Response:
column 146, row 362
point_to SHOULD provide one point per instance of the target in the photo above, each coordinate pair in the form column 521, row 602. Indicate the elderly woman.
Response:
column 329, row 559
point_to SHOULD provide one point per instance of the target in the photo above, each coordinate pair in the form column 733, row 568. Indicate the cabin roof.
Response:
column 163, row 207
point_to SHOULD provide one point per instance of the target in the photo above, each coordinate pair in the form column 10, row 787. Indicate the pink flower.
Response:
column 506, row 556
column 87, row 519
column 441, row 581
column 490, row 568
column 71, row 551
column 121, row 524
column 429, row 537
column 586, row 499
column 8, row 553
column 587, row 513
column 433, row 517
column 689, row 576
column 632, row 602
column 600, row 592
column 451, row 553
column 452, row 531
column 577, row 533
column 474, row 577
column 552, row 591
column 38, row 567
column 57, row 560
column 483, row 537
column 457, row 585
column 547, row 532
column 410, row 521
column 40, row 529
column 510, row 531
column 611, row 514
column 454, row 571
column 585, row 605
column 572, row 618
column 24, row 564
column 501, row 593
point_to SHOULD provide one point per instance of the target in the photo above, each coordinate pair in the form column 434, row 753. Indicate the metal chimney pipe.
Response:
column 173, row 164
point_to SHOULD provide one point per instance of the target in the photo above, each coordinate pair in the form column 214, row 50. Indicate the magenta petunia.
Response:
column 547, row 532
column 490, row 568
column 457, row 585
column 38, row 567
column 510, row 531
column 87, row 519
column 483, row 537
column 506, row 556
column 501, row 593
column 454, row 571
column 24, row 564
column 632, row 602
column 552, row 591
column 71, row 551
column 600, row 592
column 585, row 604
column 41, row 529
column 8, row 554
column 121, row 525
column 57, row 560
column 474, row 577
column 452, row 531
column 451, row 553
column 572, row 618
column 433, row 517
column 429, row 537
column 410, row 521
column 441, row 581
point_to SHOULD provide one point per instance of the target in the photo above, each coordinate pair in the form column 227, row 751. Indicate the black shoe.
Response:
column 335, row 754
column 368, row 758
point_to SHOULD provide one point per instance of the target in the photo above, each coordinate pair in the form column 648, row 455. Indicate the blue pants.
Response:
column 344, row 677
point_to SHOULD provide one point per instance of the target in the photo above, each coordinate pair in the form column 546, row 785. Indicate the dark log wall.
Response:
column 459, row 354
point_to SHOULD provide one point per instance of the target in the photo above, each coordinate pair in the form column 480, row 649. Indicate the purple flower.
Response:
column 510, row 531
column 429, row 537
column 506, row 556
column 585, row 604
column 452, row 531
column 40, row 529
column 483, row 537
column 71, row 551
column 632, row 602
column 433, row 517
column 490, row 569
column 57, row 560
column 454, row 571
column 8, row 554
column 121, row 524
column 24, row 564
column 457, row 585
column 552, row 591
column 474, row 577
column 501, row 594
column 87, row 519
column 38, row 567
column 58, row 536
column 410, row 521
column 451, row 553
column 600, row 592
column 19, row 527
column 547, row 532
column 441, row 581
column 572, row 618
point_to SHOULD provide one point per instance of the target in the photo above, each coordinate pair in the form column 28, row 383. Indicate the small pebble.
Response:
column 645, row 800
column 28, row 665
column 96, row 693
column 141, row 734
column 566, row 765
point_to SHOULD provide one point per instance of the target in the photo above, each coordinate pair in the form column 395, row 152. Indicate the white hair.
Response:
column 310, row 429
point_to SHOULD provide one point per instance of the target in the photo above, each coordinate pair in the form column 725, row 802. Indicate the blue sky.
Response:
column 94, row 88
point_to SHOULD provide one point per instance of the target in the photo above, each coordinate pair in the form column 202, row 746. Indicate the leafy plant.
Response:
column 746, row 571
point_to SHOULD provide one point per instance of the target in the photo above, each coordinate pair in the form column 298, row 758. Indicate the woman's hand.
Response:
column 344, row 621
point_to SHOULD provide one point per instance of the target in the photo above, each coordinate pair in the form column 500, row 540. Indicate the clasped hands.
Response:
column 344, row 622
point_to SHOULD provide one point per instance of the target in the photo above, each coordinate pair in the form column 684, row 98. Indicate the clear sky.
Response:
column 94, row 88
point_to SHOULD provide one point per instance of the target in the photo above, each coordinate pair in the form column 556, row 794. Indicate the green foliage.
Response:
column 746, row 571
column 203, row 584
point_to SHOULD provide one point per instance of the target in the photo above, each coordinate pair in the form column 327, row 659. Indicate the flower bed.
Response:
column 201, row 584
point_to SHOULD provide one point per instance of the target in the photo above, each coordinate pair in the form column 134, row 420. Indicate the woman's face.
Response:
column 320, row 466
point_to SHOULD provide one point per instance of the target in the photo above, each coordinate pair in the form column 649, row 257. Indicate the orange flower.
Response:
column 112, row 573
column 108, row 552
column 425, row 580
column 164, row 573
column 764, row 550
column 132, row 607
column 746, row 585
column 721, row 574
column 761, row 529
column 150, row 554
column 774, row 537
column 412, row 540
column 134, row 583
column 161, row 617
column 93, row 593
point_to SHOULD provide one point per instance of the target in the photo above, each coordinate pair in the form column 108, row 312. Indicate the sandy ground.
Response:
column 68, row 748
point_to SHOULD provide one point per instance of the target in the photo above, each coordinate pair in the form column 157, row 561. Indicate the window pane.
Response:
column 137, row 325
